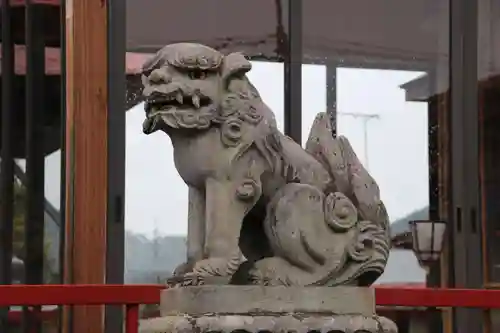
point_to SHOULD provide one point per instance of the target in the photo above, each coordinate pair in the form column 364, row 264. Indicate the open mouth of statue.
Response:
column 158, row 106
column 158, row 103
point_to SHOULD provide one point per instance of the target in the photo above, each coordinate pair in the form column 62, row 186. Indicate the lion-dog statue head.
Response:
column 193, row 87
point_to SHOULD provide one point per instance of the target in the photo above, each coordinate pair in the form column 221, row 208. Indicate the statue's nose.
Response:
column 159, row 76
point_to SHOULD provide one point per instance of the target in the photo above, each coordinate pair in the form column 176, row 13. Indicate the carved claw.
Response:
column 188, row 279
column 183, row 269
column 208, row 271
column 215, row 267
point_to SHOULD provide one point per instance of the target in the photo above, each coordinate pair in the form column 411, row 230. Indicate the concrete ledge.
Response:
column 255, row 300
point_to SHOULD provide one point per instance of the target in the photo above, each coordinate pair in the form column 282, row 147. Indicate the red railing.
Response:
column 131, row 296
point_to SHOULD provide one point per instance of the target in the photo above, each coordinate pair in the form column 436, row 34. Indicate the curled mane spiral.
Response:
column 243, row 104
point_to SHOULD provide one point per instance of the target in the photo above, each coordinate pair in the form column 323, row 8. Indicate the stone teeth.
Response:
column 179, row 98
column 196, row 101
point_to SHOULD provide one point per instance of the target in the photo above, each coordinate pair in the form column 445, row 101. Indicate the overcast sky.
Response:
column 397, row 145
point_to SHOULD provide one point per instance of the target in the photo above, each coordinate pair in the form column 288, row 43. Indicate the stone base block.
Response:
column 245, row 300
column 259, row 309
column 268, row 324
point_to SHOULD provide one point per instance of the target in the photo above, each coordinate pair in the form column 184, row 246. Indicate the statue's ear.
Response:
column 234, row 64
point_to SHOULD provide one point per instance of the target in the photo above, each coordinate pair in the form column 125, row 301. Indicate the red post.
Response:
column 132, row 318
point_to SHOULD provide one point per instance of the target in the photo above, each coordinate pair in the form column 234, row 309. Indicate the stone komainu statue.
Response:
column 262, row 210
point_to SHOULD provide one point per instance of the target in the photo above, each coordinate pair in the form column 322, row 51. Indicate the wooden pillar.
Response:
column 443, row 112
column 86, row 155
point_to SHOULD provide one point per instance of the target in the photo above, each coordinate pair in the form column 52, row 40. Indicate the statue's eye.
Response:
column 197, row 75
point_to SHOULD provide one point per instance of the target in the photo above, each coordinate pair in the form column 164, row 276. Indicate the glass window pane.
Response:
column 52, row 212
column 388, row 133
column 381, row 68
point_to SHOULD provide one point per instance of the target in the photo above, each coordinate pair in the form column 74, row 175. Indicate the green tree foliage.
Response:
column 19, row 207
column 18, row 240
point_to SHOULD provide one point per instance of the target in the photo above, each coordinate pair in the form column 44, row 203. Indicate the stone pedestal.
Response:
column 253, row 309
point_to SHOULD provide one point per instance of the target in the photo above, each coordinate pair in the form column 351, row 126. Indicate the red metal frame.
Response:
column 131, row 296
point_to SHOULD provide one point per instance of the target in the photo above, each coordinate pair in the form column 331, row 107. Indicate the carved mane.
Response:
column 242, row 106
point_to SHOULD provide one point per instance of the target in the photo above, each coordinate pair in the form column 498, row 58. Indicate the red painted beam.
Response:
column 79, row 294
column 150, row 294
column 438, row 297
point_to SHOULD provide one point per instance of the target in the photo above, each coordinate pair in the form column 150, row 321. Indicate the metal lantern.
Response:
column 428, row 239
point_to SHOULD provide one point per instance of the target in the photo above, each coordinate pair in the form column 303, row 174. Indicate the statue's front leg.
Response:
column 196, row 225
column 196, row 231
column 225, row 209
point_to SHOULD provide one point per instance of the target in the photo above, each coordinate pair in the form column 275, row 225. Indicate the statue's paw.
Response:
column 213, row 267
column 188, row 279
column 273, row 271
column 183, row 269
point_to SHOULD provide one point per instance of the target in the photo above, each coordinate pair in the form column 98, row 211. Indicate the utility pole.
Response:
column 156, row 241
column 365, row 117
column 156, row 245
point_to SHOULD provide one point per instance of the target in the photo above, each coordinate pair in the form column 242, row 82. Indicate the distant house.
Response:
column 400, row 229
column 403, row 267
